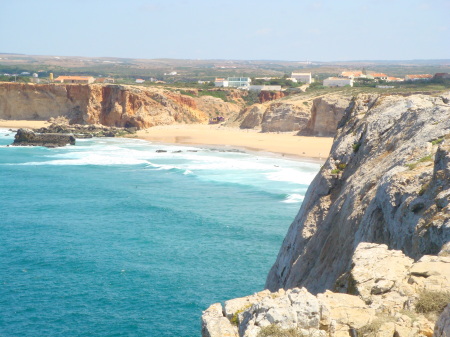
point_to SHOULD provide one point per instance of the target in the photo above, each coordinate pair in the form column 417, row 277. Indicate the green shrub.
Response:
column 356, row 147
column 437, row 141
column 342, row 166
column 431, row 301
column 235, row 319
column 335, row 171
column 274, row 330
column 426, row 158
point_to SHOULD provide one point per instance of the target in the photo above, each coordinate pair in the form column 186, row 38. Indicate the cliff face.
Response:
column 372, row 238
column 111, row 105
column 311, row 116
column 387, row 180
column 326, row 113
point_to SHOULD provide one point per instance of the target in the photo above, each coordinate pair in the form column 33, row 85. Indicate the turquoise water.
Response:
column 111, row 238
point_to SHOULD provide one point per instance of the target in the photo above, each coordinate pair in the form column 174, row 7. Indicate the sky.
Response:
column 291, row 30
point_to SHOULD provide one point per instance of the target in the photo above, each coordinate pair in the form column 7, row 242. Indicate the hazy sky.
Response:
column 320, row 30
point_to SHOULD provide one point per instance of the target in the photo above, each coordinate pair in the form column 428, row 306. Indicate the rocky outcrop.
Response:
column 326, row 113
column 86, row 131
column 442, row 328
column 253, row 116
column 26, row 137
column 284, row 117
column 275, row 117
column 267, row 96
column 385, row 293
column 309, row 115
column 110, row 105
column 387, row 180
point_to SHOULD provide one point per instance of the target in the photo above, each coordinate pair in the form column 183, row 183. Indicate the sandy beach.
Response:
column 15, row 124
column 284, row 144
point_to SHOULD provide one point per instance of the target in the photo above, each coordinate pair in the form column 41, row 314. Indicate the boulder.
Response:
column 26, row 137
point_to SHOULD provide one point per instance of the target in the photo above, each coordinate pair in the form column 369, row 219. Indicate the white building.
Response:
column 337, row 82
column 221, row 82
column 75, row 79
column 140, row 80
column 236, row 82
column 302, row 77
column 265, row 87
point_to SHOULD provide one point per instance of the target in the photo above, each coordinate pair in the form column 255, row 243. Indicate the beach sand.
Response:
column 16, row 124
column 284, row 144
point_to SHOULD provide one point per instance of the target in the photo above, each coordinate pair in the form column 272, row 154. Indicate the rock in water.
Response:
column 26, row 137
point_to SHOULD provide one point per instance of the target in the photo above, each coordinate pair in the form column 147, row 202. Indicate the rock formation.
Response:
column 86, row 131
column 385, row 293
column 387, row 180
column 371, row 240
column 26, row 137
column 326, row 113
column 309, row 115
column 110, row 105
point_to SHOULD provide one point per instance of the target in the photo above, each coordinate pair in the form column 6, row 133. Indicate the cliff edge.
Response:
column 369, row 250
column 387, row 180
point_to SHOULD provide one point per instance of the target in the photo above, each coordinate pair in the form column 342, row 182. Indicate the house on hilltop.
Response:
column 421, row 77
column 75, row 79
column 380, row 76
column 105, row 80
column 352, row 74
column 236, row 82
column 302, row 77
column 337, row 82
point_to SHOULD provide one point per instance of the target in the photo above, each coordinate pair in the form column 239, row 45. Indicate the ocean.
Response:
column 112, row 238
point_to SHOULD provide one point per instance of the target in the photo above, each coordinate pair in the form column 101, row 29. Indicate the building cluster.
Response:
column 347, row 78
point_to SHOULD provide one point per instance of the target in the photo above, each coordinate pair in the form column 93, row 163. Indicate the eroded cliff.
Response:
column 372, row 234
column 387, row 180
column 308, row 114
column 111, row 105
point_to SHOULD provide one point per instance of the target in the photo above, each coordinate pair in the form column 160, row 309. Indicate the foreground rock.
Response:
column 26, row 137
column 386, row 291
column 387, row 180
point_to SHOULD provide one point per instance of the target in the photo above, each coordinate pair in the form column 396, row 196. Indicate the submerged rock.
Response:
column 26, row 137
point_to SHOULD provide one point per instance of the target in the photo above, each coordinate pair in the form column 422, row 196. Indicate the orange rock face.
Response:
column 266, row 96
column 111, row 105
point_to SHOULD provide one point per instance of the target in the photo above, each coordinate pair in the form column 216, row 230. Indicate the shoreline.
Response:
column 284, row 144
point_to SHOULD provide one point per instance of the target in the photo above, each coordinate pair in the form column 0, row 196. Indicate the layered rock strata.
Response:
column 110, row 105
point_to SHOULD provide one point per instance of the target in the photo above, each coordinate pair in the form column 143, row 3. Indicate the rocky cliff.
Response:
column 387, row 180
column 388, row 295
column 308, row 114
column 111, row 105
column 326, row 112
column 365, row 243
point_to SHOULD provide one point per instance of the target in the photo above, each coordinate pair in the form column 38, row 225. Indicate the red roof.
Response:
column 379, row 75
column 419, row 76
